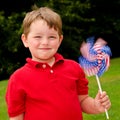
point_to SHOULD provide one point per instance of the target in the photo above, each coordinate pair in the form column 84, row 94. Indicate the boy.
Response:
column 49, row 87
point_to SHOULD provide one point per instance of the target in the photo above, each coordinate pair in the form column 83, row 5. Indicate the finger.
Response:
column 106, row 104
column 103, row 94
column 98, row 96
column 104, row 98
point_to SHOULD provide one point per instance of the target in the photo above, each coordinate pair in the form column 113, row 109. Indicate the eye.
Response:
column 52, row 37
column 38, row 36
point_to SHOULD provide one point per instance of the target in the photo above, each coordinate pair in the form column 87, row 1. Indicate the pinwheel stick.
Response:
column 99, row 86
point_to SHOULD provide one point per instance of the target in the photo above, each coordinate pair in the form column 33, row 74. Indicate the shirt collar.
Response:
column 58, row 58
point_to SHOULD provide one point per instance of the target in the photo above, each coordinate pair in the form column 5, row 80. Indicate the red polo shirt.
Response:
column 47, row 93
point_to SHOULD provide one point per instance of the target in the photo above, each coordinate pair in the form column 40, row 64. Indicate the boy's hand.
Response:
column 102, row 102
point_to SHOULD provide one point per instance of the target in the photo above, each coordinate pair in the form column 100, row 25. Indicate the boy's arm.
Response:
column 95, row 105
column 19, row 117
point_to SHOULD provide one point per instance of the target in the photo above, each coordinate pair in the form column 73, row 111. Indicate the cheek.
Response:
column 34, row 43
column 56, row 45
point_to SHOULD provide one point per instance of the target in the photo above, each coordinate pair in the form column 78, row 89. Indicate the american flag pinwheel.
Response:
column 95, row 59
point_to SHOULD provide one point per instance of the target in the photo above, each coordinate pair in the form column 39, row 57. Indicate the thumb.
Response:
column 98, row 95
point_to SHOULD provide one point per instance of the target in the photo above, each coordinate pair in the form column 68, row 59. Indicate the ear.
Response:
column 24, row 40
column 61, row 38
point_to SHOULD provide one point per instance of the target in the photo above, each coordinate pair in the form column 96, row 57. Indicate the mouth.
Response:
column 44, row 48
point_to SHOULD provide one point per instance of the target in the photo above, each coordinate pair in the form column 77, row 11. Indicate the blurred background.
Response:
column 81, row 19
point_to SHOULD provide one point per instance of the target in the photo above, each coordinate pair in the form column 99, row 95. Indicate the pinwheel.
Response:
column 95, row 59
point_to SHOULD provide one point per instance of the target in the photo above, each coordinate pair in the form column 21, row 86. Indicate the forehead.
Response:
column 41, row 26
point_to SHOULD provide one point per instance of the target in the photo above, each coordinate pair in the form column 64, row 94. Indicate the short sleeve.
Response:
column 15, row 96
column 82, row 83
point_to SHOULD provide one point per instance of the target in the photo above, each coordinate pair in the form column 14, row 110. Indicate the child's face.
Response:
column 42, row 41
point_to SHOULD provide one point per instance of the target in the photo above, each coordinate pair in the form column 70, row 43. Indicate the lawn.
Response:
column 3, row 110
column 110, row 82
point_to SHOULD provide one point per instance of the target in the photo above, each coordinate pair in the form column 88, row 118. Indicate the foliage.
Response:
column 81, row 19
column 10, row 44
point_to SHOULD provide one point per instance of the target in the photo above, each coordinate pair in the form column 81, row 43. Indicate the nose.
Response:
column 45, row 41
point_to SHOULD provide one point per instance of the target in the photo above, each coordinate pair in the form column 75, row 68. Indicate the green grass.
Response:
column 110, row 82
column 3, row 108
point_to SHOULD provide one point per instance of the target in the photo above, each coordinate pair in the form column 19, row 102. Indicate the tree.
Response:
column 107, row 22
column 10, row 43
column 81, row 19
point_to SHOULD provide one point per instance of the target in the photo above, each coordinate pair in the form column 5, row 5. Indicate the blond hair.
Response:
column 52, row 18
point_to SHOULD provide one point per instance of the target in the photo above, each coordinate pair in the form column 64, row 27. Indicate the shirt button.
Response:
column 51, row 71
column 44, row 65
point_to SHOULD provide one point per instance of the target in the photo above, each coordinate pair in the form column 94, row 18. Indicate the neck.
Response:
column 51, row 62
